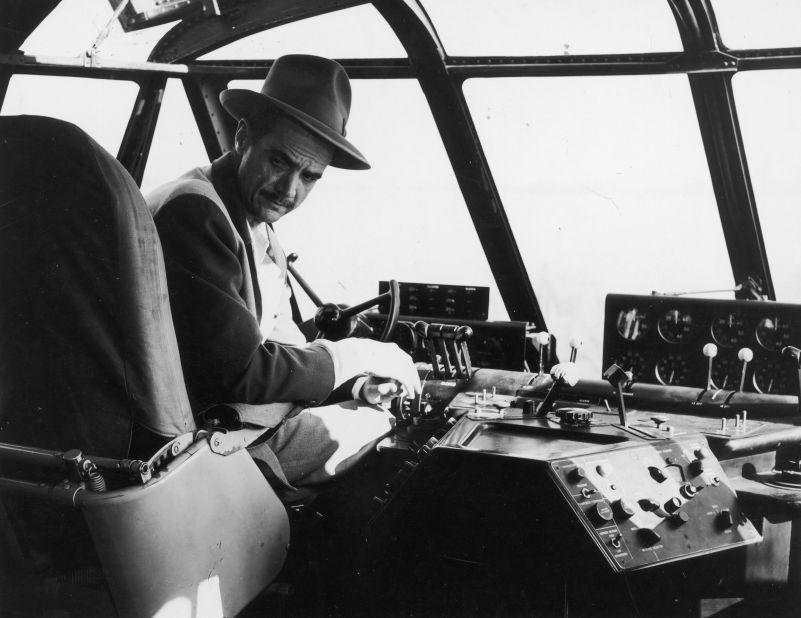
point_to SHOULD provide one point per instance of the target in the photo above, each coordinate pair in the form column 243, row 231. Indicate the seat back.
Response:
column 88, row 353
column 87, row 345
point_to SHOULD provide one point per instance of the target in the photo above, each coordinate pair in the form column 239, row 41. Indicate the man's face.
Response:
column 278, row 169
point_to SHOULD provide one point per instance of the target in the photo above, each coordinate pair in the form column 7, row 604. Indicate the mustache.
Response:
column 276, row 198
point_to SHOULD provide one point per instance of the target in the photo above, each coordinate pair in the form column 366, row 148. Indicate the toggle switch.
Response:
column 725, row 519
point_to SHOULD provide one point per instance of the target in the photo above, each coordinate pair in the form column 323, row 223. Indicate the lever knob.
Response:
column 746, row 355
column 710, row 350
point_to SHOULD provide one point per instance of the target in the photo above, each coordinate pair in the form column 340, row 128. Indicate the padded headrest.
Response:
column 87, row 344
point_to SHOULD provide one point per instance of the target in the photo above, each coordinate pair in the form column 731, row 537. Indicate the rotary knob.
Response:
column 657, row 474
column 696, row 467
column 649, row 536
column 576, row 474
column 673, row 505
column 623, row 508
column 688, row 490
column 600, row 513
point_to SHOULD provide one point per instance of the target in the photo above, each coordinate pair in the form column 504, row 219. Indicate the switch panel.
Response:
column 649, row 503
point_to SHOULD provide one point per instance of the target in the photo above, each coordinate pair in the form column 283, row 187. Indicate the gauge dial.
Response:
column 772, row 377
column 773, row 333
column 634, row 362
column 632, row 324
column 726, row 373
column 674, row 326
column 729, row 330
column 672, row 369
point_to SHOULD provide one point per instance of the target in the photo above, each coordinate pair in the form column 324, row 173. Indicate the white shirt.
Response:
column 276, row 311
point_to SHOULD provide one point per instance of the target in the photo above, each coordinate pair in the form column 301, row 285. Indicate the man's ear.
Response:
column 241, row 137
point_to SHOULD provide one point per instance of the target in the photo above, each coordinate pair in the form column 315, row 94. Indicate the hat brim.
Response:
column 244, row 103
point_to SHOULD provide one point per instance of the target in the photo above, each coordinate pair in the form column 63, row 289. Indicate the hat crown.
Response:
column 314, row 92
column 316, row 86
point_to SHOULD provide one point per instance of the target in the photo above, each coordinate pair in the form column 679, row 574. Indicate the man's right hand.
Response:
column 353, row 357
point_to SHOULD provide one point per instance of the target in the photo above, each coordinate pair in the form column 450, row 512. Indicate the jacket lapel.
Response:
column 223, row 177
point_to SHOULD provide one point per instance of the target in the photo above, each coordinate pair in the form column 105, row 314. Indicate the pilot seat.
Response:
column 97, row 436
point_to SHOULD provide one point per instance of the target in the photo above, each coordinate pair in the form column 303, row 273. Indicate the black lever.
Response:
column 619, row 379
column 562, row 373
column 794, row 353
column 290, row 266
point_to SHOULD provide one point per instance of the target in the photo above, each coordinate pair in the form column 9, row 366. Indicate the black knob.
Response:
column 623, row 508
column 696, row 467
column 529, row 407
column 681, row 517
column 725, row 519
column 576, row 474
column 673, row 505
column 657, row 474
column 688, row 490
column 600, row 513
column 647, row 504
column 649, row 536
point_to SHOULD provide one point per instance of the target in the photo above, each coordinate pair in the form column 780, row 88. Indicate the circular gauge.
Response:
column 632, row 324
column 729, row 330
column 771, row 377
column 773, row 333
column 634, row 362
column 726, row 372
column 672, row 370
column 675, row 325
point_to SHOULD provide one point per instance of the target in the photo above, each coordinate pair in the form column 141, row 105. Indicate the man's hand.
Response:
column 353, row 357
column 380, row 391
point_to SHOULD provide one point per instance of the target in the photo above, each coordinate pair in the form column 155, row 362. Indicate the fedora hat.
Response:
column 314, row 92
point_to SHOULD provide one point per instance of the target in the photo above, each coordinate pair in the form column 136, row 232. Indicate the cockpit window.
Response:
column 607, row 190
column 177, row 145
column 74, row 25
column 553, row 27
column 748, row 24
column 101, row 107
column 767, row 105
column 403, row 219
column 360, row 33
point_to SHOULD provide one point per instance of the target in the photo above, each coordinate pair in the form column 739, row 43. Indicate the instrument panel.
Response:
column 662, row 339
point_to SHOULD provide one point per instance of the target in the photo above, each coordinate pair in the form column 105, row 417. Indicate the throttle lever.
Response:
column 619, row 379
column 463, row 334
column 435, row 335
column 562, row 374
column 421, row 328
column 449, row 337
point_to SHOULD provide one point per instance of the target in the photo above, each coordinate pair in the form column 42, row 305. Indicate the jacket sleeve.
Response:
column 222, row 354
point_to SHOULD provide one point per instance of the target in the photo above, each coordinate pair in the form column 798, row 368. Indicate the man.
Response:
column 226, row 276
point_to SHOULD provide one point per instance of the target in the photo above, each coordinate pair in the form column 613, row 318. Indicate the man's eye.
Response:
column 277, row 162
column 309, row 178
